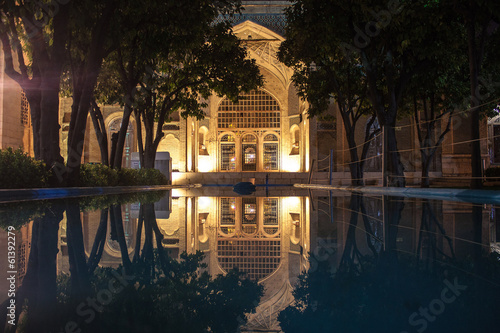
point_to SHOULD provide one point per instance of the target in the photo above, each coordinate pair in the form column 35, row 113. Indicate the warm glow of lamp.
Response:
column 293, row 164
column 204, row 163
column 176, row 176
column 204, row 204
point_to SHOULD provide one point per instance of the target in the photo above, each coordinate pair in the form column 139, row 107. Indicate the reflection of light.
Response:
column 233, row 159
column 293, row 202
column 203, row 204
column 233, row 206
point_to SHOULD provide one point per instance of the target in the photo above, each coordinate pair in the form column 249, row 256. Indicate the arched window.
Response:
column 227, row 153
column 295, row 136
column 114, row 127
column 249, row 215
column 227, row 215
column 271, row 210
column 271, row 152
column 202, row 138
column 249, row 152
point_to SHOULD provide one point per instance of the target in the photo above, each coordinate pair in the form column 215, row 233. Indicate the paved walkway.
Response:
column 451, row 194
column 8, row 195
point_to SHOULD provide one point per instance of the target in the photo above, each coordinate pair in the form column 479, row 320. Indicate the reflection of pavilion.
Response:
column 265, row 237
column 262, row 236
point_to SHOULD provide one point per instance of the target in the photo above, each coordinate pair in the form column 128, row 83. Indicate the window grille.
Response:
column 249, row 138
column 271, row 211
column 271, row 156
column 256, row 109
column 227, row 138
column 24, row 109
column 249, row 157
column 249, row 211
column 270, row 137
column 21, row 261
column 257, row 258
column 249, row 215
column 228, row 211
column 228, row 157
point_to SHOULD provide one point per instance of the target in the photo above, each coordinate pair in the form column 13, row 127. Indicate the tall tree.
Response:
column 324, row 74
column 36, row 34
column 481, row 20
column 380, row 39
column 195, row 58
column 436, row 96
column 94, row 32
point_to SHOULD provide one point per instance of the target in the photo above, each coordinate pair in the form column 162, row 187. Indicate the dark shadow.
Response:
column 396, row 291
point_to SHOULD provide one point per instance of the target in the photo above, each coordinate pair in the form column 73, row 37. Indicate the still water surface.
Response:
column 187, row 262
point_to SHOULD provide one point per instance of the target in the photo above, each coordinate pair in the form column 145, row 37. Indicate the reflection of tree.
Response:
column 386, row 292
column 430, row 228
column 146, row 260
column 169, row 296
column 99, row 241
column 115, row 214
column 151, row 293
column 352, row 259
column 39, row 285
column 80, row 280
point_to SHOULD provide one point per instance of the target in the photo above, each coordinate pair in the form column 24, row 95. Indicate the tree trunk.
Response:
column 426, row 163
column 34, row 98
column 354, row 165
column 474, row 68
column 349, row 262
column 122, row 134
column 49, row 124
column 394, row 165
column 100, row 132
column 83, row 87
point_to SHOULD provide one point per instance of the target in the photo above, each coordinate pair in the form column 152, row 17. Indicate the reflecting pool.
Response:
column 210, row 260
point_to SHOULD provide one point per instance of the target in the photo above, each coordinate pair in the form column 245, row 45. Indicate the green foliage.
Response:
column 197, row 56
column 141, row 177
column 21, row 171
column 92, row 203
column 19, row 213
column 98, row 175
